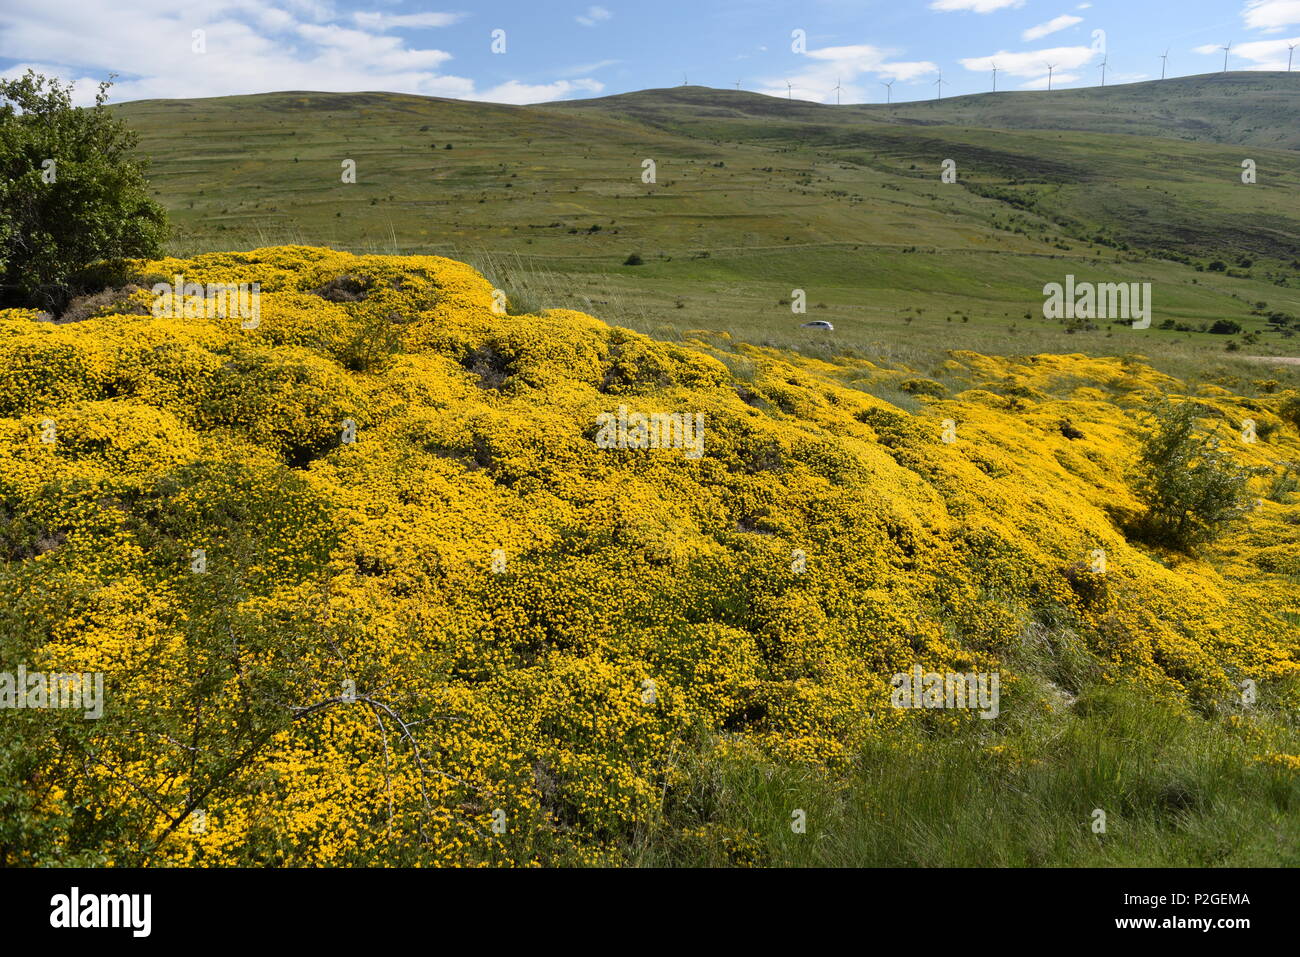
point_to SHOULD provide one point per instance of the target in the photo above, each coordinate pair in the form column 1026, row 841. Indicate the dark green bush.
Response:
column 71, row 192
column 1191, row 487
column 923, row 387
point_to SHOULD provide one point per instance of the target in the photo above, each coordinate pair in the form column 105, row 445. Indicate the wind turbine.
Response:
column 1050, row 68
column 1225, row 57
column 737, row 84
column 995, row 77
column 939, row 84
column 789, row 90
column 1290, row 53
column 1103, row 71
column 685, row 80
column 889, row 91
column 837, row 91
column 1164, row 61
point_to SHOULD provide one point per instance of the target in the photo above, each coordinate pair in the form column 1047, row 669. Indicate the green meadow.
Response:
column 755, row 197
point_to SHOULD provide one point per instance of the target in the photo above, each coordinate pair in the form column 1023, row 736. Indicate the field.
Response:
column 756, row 197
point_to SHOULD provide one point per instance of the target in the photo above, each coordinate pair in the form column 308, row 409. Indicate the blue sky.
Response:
column 558, row 50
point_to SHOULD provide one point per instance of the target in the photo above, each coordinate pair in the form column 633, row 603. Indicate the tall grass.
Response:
column 1176, row 789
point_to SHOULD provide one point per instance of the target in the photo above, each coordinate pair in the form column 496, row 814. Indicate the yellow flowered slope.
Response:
column 366, row 588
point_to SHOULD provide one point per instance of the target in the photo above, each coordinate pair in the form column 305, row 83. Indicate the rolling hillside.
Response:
column 1235, row 109
column 755, row 197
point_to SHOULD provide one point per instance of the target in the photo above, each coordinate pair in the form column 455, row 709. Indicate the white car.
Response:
column 818, row 324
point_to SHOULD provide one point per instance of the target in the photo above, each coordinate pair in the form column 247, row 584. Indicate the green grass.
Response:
column 758, row 196
column 1180, row 785
column 1177, row 790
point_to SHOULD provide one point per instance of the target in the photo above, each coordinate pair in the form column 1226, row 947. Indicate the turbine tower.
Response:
column 837, row 91
column 1050, row 68
column 789, row 90
column 1225, row 57
column 1164, row 61
column 939, row 84
column 1103, row 71
column 889, row 91
column 995, row 77
column 1290, row 52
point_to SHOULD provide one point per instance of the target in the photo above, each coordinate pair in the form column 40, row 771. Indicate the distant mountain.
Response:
column 1246, row 108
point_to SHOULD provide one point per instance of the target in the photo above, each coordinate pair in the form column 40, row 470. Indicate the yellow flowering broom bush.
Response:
column 366, row 588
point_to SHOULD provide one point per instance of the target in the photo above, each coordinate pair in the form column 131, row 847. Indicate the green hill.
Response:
column 1240, row 109
column 755, row 197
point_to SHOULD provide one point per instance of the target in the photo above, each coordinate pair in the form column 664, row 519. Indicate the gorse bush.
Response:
column 71, row 192
column 364, row 589
column 1192, row 488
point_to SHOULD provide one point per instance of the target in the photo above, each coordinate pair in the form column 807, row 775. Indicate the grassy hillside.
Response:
column 1236, row 109
column 367, row 589
column 756, row 197
column 1232, row 109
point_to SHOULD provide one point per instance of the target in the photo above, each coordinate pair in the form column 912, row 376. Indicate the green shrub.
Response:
column 1290, row 409
column 1192, row 489
column 923, row 387
column 71, row 192
column 1284, row 483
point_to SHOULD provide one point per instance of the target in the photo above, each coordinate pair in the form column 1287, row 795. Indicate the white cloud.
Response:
column 1058, row 79
column 253, row 46
column 1051, row 26
column 341, row 45
column 518, row 93
column 1262, row 54
column 849, row 66
column 1271, row 16
column 976, row 6
column 584, row 68
column 405, row 21
column 1032, row 63
column 593, row 16
column 906, row 71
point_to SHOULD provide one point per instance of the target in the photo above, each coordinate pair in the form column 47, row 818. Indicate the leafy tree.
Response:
column 71, row 191
column 1191, row 487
